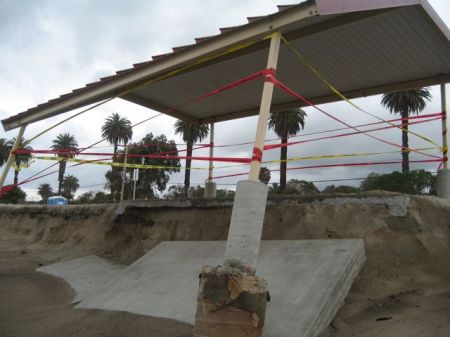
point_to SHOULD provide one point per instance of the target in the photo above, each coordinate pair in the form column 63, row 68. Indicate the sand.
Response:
column 39, row 305
column 403, row 289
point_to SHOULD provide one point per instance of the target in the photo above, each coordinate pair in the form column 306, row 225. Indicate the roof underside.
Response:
column 361, row 53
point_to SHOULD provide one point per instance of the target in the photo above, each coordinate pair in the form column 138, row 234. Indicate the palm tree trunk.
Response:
column 62, row 170
column 283, row 164
column 16, row 177
column 405, row 143
column 115, row 149
column 187, row 172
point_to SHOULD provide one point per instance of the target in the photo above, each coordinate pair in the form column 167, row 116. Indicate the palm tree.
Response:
column 191, row 133
column 406, row 103
column 45, row 191
column 117, row 130
column 67, row 144
column 286, row 123
column 19, row 159
column 4, row 151
column 70, row 186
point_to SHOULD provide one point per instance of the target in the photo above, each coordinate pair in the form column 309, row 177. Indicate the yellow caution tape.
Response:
column 337, row 92
column 115, row 164
column 319, row 157
column 22, row 165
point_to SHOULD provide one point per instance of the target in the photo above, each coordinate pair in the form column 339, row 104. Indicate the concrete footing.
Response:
column 210, row 190
column 443, row 183
column 308, row 281
column 247, row 219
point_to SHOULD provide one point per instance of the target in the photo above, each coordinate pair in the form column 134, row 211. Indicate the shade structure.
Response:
column 362, row 47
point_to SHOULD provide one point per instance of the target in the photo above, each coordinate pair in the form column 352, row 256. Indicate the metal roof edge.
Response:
column 96, row 92
column 436, row 19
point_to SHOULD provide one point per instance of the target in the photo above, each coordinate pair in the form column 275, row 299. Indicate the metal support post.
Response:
column 210, row 186
column 444, row 126
column 244, row 240
column 443, row 176
column 264, row 109
column 11, row 155
column 244, row 236
column 124, row 172
column 211, row 151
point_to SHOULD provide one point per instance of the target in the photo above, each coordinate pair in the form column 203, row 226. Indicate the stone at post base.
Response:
column 443, row 183
column 210, row 190
column 230, row 303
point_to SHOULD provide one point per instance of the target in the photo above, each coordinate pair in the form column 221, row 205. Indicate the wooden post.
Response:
column 444, row 126
column 11, row 155
column 124, row 172
column 211, row 151
column 264, row 109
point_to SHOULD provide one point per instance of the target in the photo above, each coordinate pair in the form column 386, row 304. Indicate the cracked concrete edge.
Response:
column 398, row 204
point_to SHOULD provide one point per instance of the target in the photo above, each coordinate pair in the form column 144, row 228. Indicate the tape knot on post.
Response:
column 257, row 154
column 269, row 75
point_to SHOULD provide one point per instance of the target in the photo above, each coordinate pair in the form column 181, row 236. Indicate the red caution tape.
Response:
column 275, row 146
column 257, row 154
column 300, row 97
column 6, row 189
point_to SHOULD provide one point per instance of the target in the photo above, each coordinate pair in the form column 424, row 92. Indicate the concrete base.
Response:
column 86, row 274
column 210, row 190
column 443, row 183
column 247, row 219
column 308, row 282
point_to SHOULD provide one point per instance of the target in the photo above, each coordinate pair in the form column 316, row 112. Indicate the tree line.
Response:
column 117, row 130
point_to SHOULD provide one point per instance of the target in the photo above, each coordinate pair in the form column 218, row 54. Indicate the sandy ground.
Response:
column 37, row 304
column 402, row 291
column 34, row 304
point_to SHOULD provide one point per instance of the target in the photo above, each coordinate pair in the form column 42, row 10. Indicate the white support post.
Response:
column 124, row 172
column 247, row 217
column 211, row 151
column 443, row 176
column 11, row 155
column 444, row 125
column 264, row 110
column 210, row 186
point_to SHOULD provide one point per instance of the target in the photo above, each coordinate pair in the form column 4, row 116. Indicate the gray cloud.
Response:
column 50, row 47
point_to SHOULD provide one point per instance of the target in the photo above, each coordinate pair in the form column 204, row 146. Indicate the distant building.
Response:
column 57, row 201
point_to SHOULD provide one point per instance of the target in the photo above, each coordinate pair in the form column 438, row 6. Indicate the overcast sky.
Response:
column 50, row 47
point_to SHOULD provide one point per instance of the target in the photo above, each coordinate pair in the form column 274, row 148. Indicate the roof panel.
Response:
column 361, row 53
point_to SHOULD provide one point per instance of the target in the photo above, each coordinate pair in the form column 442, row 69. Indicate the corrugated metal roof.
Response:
column 361, row 53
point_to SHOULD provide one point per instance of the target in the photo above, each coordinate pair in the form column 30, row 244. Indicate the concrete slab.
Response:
column 308, row 282
column 85, row 274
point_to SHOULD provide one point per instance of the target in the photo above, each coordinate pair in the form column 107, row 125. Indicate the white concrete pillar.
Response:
column 247, row 217
column 210, row 190
column 443, row 183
